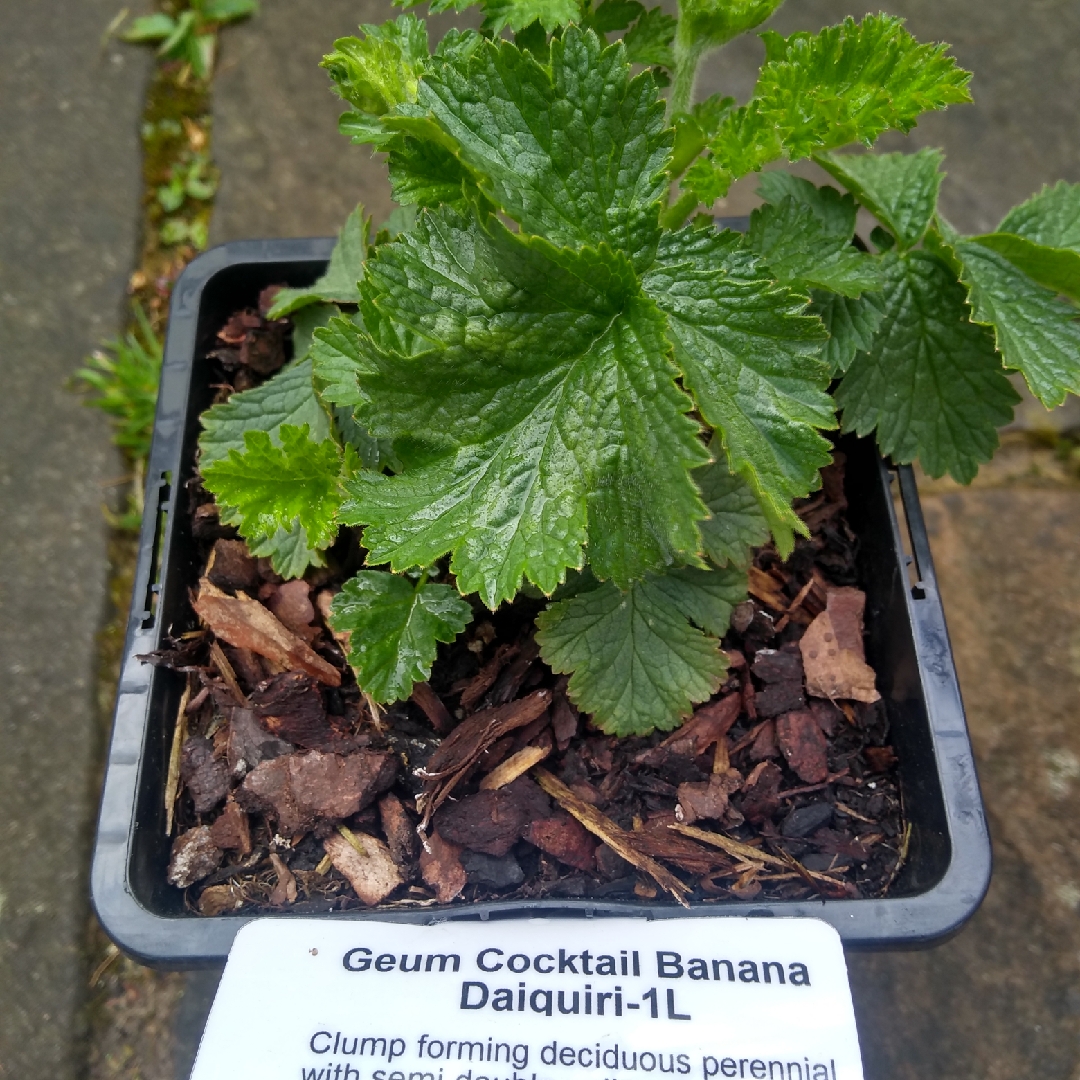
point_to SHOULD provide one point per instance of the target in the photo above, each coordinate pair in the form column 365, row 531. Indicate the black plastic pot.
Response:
column 948, row 867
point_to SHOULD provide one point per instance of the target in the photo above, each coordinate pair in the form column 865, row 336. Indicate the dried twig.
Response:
column 513, row 767
column 225, row 670
column 620, row 841
column 172, row 777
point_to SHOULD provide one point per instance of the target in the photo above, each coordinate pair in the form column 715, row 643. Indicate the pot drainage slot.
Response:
column 153, row 583
column 913, row 536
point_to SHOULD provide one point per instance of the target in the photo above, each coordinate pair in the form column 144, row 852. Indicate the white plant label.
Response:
column 545, row 999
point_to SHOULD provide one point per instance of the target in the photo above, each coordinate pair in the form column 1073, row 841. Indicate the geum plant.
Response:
column 555, row 380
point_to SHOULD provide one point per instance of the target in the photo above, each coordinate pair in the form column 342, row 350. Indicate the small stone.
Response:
column 806, row 819
column 495, row 872
column 194, row 855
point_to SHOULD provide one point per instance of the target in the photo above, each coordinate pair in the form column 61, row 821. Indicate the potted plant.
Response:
column 538, row 426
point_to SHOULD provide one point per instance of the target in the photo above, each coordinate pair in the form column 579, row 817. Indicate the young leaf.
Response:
column 818, row 92
column 272, row 486
column 931, row 383
column 287, row 398
column 1051, row 218
column 694, row 129
column 395, row 627
column 751, row 358
column 900, row 190
column 1036, row 333
column 711, row 23
column 649, row 40
column 156, row 27
column 613, row 15
column 636, row 662
column 574, row 152
column 852, row 323
column 517, row 14
column 803, row 253
column 552, row 382
column 224, row 11
column 288, row 551
column 737, row 523
column 378, row 72
column 338, row 285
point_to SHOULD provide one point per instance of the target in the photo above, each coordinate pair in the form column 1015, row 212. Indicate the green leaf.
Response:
column 709, row 23
column 395, row 627
column 737, row 523
column 834, row 211
column 900, row 190
column 306, row 321
column 636, row 662
column 801, row 251
column 272, row 486
column 852, row 323
column 818, row 92
column 695, row 128
column 1055, row 267
column 751, row 358
column 931, row 383
column 288, row 551
column 183, row 32
column 613, row 15
column 287, row 398
column 378, row 72
column 574, row 152
column 335, row 356
column 1036, row 333
column 649, row 40
column 423, row 173
column 338, row 285
column 156, row 27
column 552, row 384
column 1051, row 218
column 517, row 14
column 225, row 11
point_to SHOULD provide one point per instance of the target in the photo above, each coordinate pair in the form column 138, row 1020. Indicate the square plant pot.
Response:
column 939, row 887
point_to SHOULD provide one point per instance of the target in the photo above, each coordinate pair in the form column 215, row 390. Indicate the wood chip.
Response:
column 373, row 875
column 245, row 624
column 432, row 706
column 513, row 767
column 766, row 588
column 620, row 841
column 441, row 869
column 284, row 891
column 832, row 650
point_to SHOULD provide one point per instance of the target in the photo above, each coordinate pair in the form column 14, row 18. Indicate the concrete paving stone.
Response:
column 69, row 190
column 286, row 171
column 1001, row 999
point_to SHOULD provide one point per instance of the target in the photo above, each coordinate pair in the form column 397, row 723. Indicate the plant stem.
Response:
column 688, row 56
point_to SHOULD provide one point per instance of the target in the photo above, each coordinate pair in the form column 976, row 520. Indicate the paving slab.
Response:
column 69, row 190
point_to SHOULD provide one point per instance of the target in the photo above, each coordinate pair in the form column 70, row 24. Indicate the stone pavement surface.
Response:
column 69, row 189
column 1002, row 999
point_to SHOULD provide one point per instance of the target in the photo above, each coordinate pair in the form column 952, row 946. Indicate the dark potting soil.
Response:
column 290, row 791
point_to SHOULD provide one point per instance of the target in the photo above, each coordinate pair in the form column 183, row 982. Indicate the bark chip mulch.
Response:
column 288, row 790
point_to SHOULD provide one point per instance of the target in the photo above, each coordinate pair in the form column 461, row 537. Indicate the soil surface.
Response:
column 289, row 789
